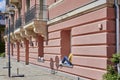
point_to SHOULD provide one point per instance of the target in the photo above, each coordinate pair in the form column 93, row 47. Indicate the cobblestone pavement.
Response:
column 31, row 72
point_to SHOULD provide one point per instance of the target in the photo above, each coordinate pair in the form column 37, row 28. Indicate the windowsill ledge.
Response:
column 39, row 60
column 66, row 65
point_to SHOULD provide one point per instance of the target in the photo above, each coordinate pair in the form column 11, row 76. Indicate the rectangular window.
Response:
column 65, row 43
column 40, row 46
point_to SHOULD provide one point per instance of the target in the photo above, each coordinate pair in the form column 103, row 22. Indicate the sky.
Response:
column 2, row 5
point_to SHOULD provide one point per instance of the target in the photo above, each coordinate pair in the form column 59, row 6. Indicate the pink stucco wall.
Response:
column 65, row 6
column 91, row 46
column 49, row 2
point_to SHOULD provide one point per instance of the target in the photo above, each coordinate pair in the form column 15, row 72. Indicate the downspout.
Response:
column 117, row 29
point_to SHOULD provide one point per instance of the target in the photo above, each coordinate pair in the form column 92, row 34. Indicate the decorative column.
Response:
column 12, row 49
column 40, row 46
column 26, row 51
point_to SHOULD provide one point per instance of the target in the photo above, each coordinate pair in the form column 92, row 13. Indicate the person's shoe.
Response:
column 60, row 63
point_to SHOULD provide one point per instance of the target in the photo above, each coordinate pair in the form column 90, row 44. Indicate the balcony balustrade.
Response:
column 18, row 23
column 14, row 1
column 6, row 31
column 33, row 22
column 36, row 12
column 11, row 30
column 17, row 3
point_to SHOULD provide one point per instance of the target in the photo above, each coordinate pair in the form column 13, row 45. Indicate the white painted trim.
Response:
column 54, row 4
column 14, row 1
column 79, row 10
column 17, row 31
column 28, row 25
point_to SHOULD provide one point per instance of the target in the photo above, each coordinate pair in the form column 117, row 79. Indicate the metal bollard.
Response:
column 18, row 75
column 17, row 71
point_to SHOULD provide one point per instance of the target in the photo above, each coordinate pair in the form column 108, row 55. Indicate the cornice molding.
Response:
column 92, row 6
column 55, row 4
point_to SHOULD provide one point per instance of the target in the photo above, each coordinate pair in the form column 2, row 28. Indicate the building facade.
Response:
column 55, row 28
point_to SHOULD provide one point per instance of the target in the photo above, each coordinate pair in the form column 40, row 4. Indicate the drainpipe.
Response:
column 117, row 30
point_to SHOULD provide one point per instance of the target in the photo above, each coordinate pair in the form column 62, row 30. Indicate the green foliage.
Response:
column 2, row 54
column 115, row 58
column 111, row 69
column 118, row 77
column 109, row 76
column 2, row 47
column 2, row 27
column 112, row 73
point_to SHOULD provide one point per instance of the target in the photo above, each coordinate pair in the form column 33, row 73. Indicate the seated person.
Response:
column 40, row 59
column 67, row 60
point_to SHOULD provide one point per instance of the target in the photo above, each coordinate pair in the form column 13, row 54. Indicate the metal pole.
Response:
column 117, row 24
column 117, row 30
column 9, row 64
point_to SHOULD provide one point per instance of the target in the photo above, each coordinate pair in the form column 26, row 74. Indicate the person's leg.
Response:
column 66, row 59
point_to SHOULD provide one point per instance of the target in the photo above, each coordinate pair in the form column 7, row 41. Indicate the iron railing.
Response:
column 11, row 30
column 36, row 12
column 18, row 23
column 6, row 31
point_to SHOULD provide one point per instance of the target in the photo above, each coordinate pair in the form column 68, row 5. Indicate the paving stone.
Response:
column 31, row 72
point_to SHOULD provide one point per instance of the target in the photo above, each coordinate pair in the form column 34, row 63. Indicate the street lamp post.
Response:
column 9, row 62
column 8, row 13
column 8, row 44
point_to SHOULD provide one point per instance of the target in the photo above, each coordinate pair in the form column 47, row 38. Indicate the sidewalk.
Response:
column 31, row 72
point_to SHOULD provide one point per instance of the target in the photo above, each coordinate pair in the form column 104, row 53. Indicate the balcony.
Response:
column 36, row 21
column 18, row 28
column 6, row 31
column 18, row 23
column 11, row 30
column 5, row 34
column 36, row 13
column 14, row 1
column 11, row 33
column 32, row 23
column 17, row 3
